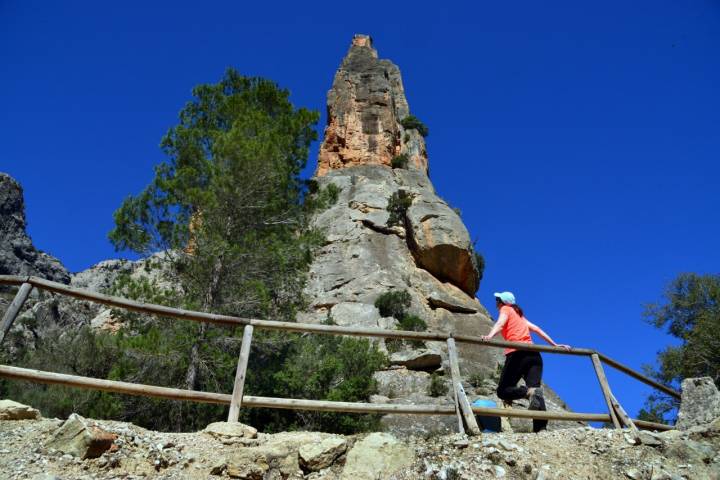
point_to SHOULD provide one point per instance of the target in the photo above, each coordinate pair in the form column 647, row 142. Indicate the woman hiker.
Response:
column 520, row 363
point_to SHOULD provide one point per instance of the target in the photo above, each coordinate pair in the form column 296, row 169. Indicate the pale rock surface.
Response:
column 317, row 456
column 231, row 429
column 416, row 359
column 11, row 410
column 81, row 438
column 700, row 403
column 376, row 456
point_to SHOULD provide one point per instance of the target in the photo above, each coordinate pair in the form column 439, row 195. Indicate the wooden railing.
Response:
column 462, row 408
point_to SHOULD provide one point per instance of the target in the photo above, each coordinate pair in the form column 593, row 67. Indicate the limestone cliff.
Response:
column 429, row 253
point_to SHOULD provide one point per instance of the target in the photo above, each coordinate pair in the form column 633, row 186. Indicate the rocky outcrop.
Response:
column 18, row 255
column 425, row 249
column 378, row 455
column 10, row 410
column 700, row 403
column 365, row 107
column 581, row 452
column 81, row 438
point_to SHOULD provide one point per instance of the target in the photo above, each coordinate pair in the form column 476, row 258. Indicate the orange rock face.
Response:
column 365, row 106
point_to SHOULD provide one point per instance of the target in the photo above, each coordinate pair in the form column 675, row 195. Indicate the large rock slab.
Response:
column 11, row 410
column 376, row 456
column 231, row 429
column 316, row 456
column 81, row 438
column 700, row 403
column 441, row 243
column 417, row 359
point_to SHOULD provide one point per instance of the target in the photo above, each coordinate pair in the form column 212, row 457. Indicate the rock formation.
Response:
column 18, row 256
column 427, row 251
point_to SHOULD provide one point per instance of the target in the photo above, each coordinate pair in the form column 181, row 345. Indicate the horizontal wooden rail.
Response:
column 115, row 386
column 311, row 328
column 639, row 376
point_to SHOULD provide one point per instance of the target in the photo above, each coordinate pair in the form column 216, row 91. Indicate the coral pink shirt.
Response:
column 515, row 329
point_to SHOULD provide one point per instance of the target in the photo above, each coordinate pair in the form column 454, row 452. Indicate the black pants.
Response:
column 528, row 366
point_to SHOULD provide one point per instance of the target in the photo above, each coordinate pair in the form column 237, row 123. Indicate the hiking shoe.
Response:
column 537, row 400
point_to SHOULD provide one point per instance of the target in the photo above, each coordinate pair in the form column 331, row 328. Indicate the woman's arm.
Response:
column 545, row 336
column 502, row 319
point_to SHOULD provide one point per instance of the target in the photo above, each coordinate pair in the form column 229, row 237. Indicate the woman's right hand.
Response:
column 562, row 345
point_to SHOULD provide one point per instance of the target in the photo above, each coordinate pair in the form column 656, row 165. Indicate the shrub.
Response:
column 400, row 161
column 398, row 204
column 480, row 265
column 412, row 323
column 412, row 122
column 321, row 198
column 437, row 387
column 393, row 304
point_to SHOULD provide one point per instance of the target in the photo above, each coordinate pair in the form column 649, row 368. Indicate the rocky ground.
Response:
column 38, row 448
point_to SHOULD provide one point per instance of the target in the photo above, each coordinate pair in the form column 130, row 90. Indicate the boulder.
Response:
column 416, row 359
column 11, row 410
column 700, row 403
column 81, row 438
column 316, row 456
column 231, row 429
column 376, row 456
column 441, row 243
column 401, row 382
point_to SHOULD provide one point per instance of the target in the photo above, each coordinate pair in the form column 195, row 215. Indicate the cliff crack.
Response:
column 436, row 303
column 383, row 229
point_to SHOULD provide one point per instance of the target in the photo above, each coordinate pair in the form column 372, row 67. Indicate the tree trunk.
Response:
column 191, row 377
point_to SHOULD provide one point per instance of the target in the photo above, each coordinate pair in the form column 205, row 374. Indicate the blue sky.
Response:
column 580, row 141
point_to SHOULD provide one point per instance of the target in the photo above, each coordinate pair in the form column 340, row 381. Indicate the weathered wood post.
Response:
column 237, row 395
column 14, row 308
column 461, row 402
column 623, row 415
column 605, row 388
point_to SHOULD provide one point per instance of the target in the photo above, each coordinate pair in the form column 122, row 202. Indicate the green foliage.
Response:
column 438, row 387
column 412, row 323
column 319, row 199
column 690, row 311
column 479, row 264
column 72, row 351
column 241, row 132
column 400, row 161
column 230, row 210
column 398, row 204
column 393, row 304
column 330, row 367
column 412, row 122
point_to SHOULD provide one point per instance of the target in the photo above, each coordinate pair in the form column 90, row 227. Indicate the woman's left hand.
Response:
column 486, row 337
column 566, row 347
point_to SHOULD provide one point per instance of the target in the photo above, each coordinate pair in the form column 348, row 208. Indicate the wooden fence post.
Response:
column 237, row 395
column 605, row 388
column 461, row 402
column 14, row 308
column 623, row 415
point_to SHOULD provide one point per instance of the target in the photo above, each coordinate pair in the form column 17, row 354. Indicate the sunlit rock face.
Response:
column 365, row 106
column 427, row 252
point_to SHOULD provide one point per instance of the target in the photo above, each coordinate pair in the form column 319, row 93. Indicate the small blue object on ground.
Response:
column 489, row 424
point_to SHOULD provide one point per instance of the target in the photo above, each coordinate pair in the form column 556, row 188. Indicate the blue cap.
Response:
column 506, row 297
